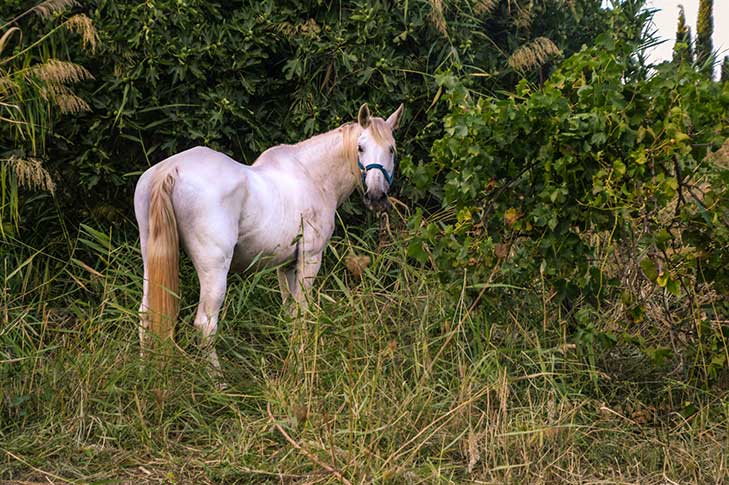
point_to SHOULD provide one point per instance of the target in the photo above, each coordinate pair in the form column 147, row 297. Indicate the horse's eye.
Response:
column 359, row 148
column 392, row 149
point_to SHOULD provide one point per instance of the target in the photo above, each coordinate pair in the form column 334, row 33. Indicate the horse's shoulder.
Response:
column 195, row 152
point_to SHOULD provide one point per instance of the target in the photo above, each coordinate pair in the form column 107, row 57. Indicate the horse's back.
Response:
column 201, row 164
column 200, row 169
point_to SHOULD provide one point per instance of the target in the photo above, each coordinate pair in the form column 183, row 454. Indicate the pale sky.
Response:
column 666, row 18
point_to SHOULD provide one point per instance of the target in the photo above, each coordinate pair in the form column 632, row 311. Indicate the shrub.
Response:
column 241, row 76
column 572, row 184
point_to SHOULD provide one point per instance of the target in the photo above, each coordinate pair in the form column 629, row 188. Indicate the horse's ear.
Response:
column 394, row 119
column 363, row 118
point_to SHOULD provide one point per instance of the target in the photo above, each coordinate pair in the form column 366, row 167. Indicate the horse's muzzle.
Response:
column 377, row 202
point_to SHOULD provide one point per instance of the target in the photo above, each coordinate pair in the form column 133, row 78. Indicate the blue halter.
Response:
column 389, row 177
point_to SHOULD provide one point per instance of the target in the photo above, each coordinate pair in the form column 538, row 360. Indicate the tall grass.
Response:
column 35, row 84
column 396, row 377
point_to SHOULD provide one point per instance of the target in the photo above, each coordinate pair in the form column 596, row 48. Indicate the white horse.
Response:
column 280, row 211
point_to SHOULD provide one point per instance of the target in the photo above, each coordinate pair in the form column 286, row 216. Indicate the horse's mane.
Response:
column 381, row 134
column 350, row 135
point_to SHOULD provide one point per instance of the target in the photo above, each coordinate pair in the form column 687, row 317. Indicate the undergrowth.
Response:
column 396, row 377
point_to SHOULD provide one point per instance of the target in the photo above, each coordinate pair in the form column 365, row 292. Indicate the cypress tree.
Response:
column 682, row 49
column 725, row 70
column 704, row 30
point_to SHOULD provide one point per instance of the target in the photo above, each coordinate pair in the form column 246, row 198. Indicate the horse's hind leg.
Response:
column 143, row 318
column 210, row 242
column 212, row 294
column 141, row 208
column 213, row 284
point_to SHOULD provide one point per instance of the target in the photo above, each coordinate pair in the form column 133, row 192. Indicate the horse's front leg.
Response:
column 302, row 279
column 285, row 282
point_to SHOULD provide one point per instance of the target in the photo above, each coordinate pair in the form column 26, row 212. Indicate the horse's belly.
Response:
column 254, row 253
column 275, row 221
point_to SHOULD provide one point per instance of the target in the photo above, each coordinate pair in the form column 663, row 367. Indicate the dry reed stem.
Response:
column 31, row 174
column 534, row 54
column 83, row 26
column 50, row 7
column 437, row 17
column 45, row 474
column 485, row 6
column 57, row 71
column 7, row 35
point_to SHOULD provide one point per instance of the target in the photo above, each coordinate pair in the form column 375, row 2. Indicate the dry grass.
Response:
column 32, row 81
column 58, row 72
column 393, row 377
column 523, row 16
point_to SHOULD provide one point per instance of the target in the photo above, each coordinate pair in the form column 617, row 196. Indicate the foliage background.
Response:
column 243, row 76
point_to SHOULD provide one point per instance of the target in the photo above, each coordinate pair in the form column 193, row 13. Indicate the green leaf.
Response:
column 649, row 269
column 619, row 167
column 662, row 237
column 663, row 279
column 674, row 287
column 415, row 250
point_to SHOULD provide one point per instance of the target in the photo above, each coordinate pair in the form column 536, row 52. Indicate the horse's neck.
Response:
column 327, row 162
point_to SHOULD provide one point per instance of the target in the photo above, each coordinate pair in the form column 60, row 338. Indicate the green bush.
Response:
column 573, row 184
column 241, row 76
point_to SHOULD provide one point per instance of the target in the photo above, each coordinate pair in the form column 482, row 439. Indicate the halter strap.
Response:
column 389, row 177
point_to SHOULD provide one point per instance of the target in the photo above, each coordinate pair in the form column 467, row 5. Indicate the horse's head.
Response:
column 376, row 154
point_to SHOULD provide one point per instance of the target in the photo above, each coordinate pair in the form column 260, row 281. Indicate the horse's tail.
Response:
column 163, row 257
